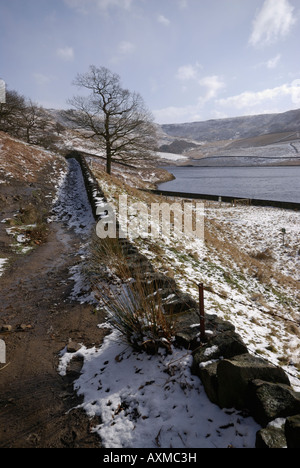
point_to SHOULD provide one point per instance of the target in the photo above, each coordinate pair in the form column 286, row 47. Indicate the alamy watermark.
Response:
column 140, row 220
column 2, row 352
column 2, row 92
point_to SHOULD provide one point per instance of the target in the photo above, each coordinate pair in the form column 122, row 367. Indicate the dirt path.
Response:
column 34, row 400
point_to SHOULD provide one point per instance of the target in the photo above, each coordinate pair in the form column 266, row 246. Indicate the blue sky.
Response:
column 190, row 59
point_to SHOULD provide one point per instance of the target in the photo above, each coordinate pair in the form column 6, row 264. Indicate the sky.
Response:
column 191, row 60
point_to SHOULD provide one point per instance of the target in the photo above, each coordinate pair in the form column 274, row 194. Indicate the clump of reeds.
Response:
column 134, row 304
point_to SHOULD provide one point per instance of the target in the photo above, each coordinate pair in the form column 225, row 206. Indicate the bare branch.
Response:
column 114, row 117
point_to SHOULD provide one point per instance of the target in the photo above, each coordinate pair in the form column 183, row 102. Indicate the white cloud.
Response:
column 174, row 114
column 213, row 85
column 85, row 6
column 163, row 20
column 295, row 92
column 272, row 63
column 125, row 49
column 66, row 53
column 106, row 4
column 188, row 72
column 270, row 96
column 191, row 112
column 273, row 22
column 278, row 99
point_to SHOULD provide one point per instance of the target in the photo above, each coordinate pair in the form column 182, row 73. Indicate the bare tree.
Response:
column 35, row 121
column 115, row 117
column 29, row 120
column 24, row 119
column 10, row 113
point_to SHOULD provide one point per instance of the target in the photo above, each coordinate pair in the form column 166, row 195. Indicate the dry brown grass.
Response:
column 139, row 177
column 135, row 305
column 20, row 160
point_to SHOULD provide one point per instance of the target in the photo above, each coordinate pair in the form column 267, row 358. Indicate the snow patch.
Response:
column 153, row 401
column 2, row 265
column 172, row 156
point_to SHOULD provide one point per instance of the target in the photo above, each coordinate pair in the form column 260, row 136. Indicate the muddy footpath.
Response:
column 39, row 318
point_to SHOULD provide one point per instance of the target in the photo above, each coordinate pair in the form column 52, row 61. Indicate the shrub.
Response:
column 134, row 305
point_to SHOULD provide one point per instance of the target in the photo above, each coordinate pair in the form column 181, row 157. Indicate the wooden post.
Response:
column 202, row 313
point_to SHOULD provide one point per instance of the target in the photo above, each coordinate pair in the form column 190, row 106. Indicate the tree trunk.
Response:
column 108, row 159
column 28, row 135
column 108, row 144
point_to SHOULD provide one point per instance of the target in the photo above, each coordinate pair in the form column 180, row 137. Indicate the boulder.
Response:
column 269, row 401
column 206, row 359
column 157, row 281
column 224, row 345
column 6, row 328
column 73, row 347
column 272, row 437
column 188, row 328
column 292, row 431
column 139, row 265
column 74, row 368
column 208, row 375
column 234, row 376
column 178, row 304
column 215, row 324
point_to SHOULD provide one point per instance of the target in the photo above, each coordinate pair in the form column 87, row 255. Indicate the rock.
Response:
column 206, row 360
column 139, row 265
column 187, row 329
column 234, row 376
column 155, row 281
column 209, row 379
column 73, row 347
column 6, row 328
column 273, row 436
column 74, row 367
column 23, row 327
column 292, row 431
column 224, row 345
column 178, row 304
column 216, row 325
column 269, row 401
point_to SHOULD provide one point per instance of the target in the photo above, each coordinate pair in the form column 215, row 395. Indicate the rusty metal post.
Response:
column 202, row 313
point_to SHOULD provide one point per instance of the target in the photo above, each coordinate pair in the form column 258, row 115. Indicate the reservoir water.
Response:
column 280, row 183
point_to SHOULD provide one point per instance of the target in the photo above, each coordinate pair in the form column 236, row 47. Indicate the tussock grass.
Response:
column 134, row 304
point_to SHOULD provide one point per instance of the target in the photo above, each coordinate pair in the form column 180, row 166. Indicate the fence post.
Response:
column 202, row 313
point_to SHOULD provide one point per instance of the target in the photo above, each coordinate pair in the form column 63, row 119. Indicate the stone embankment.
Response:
column 232, row 377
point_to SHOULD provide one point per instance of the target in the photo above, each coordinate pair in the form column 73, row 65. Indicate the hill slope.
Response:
column 236, row 128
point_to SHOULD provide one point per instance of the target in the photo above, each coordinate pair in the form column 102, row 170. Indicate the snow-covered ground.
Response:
column 172, row 156
column 155, row 402
column 283, row 150
column 2, row 265
column 72, row 205
column 260, row 232
column 254, row 294
column 19, row 239
column 74, row 141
